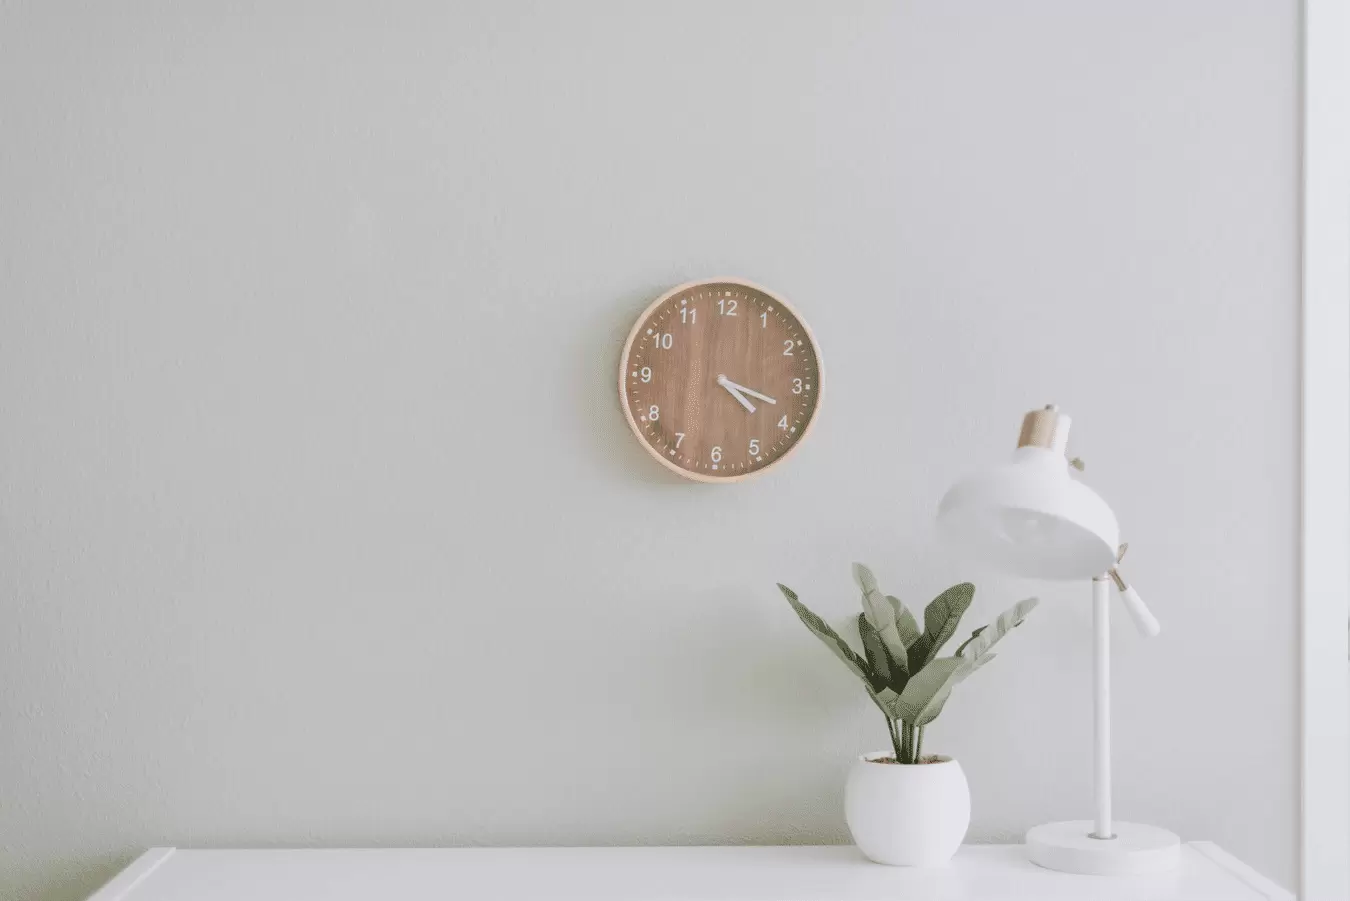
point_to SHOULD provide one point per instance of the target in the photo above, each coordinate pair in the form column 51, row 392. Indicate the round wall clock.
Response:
column 720, row 379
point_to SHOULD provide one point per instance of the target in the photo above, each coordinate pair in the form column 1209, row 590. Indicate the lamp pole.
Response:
column 1101, row 700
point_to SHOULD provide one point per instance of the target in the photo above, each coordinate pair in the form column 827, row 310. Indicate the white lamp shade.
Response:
column 1030, row 518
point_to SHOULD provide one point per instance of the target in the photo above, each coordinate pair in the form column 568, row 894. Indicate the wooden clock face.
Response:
column 720, row 379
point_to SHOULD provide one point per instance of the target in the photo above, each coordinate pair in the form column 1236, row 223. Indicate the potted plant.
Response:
column 905, row 807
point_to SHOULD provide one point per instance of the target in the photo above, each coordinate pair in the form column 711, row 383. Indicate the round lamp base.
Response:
column 1070, row 848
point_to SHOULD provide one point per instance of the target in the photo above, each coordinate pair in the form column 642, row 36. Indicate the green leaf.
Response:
column 973, row 635
column 905, row 623
column 875, row 651
column 884, row 699
column 831, row 640
column 986, row 638
column 880, row 614
column 927, row 692
column 940, row 619
column 879, row 658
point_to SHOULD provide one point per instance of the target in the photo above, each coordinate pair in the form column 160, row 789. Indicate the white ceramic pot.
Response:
column 907, row 815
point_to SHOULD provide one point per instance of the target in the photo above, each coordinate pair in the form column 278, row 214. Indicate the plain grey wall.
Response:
column 319, row 520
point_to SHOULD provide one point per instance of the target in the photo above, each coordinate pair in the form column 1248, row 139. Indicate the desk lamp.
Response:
column 1030, row 517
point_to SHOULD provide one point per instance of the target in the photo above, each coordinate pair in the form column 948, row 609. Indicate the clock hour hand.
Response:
column 740, row 398
column 730, row 385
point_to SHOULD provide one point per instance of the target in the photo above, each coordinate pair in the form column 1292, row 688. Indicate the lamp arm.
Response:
column 1144, row 620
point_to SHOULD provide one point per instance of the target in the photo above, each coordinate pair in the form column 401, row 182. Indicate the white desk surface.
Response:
column 787, row 873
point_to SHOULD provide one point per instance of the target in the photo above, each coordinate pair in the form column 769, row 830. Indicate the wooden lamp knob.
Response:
column 1047, row 428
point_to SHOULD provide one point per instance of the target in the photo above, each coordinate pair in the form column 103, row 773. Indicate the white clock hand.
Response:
column 740, row 398
column 728, row 383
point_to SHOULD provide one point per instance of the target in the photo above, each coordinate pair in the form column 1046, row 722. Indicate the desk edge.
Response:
column 1242, row 872
column 119, row 888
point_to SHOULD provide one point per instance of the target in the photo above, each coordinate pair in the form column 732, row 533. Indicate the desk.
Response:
column 771, row 873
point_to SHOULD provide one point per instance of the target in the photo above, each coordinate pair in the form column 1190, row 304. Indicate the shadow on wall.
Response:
column 68, row 880
column 596, row 387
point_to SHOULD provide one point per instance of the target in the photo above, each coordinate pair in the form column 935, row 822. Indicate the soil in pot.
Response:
column 927, row 758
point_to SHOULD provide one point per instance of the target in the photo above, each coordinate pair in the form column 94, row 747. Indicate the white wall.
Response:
column 320, row 523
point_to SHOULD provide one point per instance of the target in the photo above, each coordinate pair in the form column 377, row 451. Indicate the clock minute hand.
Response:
column 740, row 398
column 728, row 383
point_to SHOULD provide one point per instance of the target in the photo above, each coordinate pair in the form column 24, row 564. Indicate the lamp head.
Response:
column 1029, row 516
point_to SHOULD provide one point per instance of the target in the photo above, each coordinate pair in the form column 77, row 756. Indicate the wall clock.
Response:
column 720, row 379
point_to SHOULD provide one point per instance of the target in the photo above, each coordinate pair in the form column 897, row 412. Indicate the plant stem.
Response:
column 908, row 732
column 918, row 745
column 895, row 738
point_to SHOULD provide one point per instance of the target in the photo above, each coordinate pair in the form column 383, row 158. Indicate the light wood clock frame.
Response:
column 720, row 379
